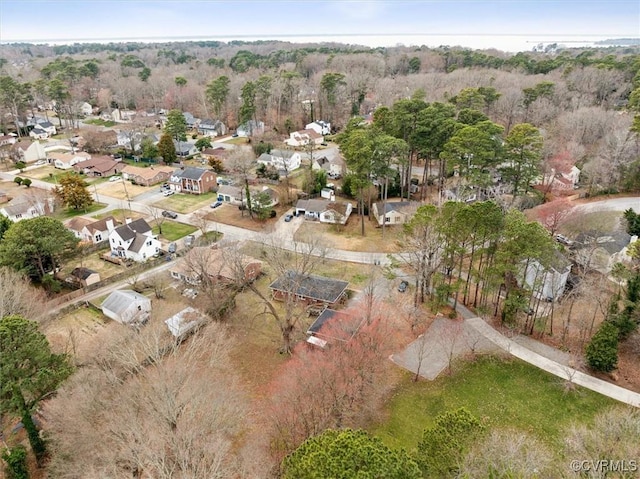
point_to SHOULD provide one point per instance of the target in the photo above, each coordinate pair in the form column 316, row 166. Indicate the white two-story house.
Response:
column 134, row 240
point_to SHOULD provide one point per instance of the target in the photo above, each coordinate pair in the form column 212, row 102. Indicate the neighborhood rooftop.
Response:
column 310, row 286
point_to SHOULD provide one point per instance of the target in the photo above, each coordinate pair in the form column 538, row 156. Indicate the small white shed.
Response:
column 127, row 307
column 181, row 323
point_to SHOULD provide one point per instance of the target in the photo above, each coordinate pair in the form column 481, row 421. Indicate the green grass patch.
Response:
column 501, row 393
column 172, row 230
column 119, row 214
column 99, row 122
column 67, row 213
column 182, row 203
column 239, row 140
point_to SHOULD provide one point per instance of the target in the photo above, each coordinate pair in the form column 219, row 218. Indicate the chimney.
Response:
column 127, row 221
column 110, row 225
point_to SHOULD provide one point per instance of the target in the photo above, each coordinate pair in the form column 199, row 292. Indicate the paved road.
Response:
column 612, row 204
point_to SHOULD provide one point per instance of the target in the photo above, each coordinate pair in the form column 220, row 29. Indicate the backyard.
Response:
column 500, row 392
column 172, row 230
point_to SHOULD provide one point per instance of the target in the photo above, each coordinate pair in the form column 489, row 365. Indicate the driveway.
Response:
column 612, row 204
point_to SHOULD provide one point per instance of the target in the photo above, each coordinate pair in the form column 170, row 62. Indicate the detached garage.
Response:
column 127, row 307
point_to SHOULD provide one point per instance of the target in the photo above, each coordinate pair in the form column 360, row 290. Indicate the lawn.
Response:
column 604, row 221
column 502, row 393
column 172, row 230
column 120, row 215
column 65, row 214
column 99, row 122
column 186, row 203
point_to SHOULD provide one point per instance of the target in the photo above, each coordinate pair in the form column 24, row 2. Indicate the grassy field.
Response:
column 66, row 213
column 499, row 392
column 100, row 122
column 604, row 221
column 172, row 230
column 186, row 203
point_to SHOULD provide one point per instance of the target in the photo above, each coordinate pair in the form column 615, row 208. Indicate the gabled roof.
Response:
column 129, row 231
column 229, row 190
column 332, row 324
column 190, row 173
column 184, row 321
column 183, row 146
column 286, row 154
column 399, row 206
column 310, row 286
column 217, row 151
column 78, row 223
column 100, row 164
column 147, row 173
column 120, row 300
column 82, row 273
column 101, row 225
column 337, row 206
column 611, row 242
column 13, row 208
column 313, row 206
column 138, row 243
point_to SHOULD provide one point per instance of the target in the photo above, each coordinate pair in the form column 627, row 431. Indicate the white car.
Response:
column 40, row 162
column 169, row 193
column 115, row 178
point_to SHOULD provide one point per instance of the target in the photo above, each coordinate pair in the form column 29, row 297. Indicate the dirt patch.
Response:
column 122, row 189
column 349, row 237
column 13, row 190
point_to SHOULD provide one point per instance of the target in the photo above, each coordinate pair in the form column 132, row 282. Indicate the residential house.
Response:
column 231, row 194
column 91, row 231
column 122, row 116
column 129, row 139
column 127, row 307
column 267, row 197
column 325, row 211
column 185, row 148
column 84, row 277
column 321, row 127
column 212, row 128
column 191, row 120
column 147, row 176
column 193, row 180
column 85, row 108
column 211, row 263
column 548, row 282
column 30, row 151
column 99, row 166
column 250, row 128
column 302, row 138
column 563, row 181
column 332, row 325
column 393, row 213
column 7, row 140
column 39, row 133
column 184, row 322
column 333, row 166
column 21, row 209
column 65, row 161
column 282, row 160
column 134, row 240
column 311, row 289
column 600, row 251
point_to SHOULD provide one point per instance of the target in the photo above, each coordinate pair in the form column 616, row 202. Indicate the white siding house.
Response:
column 134, row 241
column 127, row 307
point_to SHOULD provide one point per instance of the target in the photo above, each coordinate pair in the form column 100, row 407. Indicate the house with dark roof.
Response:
column 195, row 181
column 332, row 325
column 134, row 240
column 334, row 212
column 311, row 289
column 210, row 127
column 84, row 277
column 600, row 251
column 127, row 307
column 393, row 213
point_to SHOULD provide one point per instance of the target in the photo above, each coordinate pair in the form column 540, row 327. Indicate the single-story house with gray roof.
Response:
column 127, row 307
column 312, row 289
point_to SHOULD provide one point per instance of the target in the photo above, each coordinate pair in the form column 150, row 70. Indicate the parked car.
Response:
column 168, row 192
column 288, row 218
column 40, row 162
column 189, row 239
column 216, row 204
column 115, row 178
column 172, row 248
column 564, row 240
column 403, row 286
column 190, row 293
column 169, row 214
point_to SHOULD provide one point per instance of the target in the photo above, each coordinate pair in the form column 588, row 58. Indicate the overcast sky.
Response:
column 507, row 24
